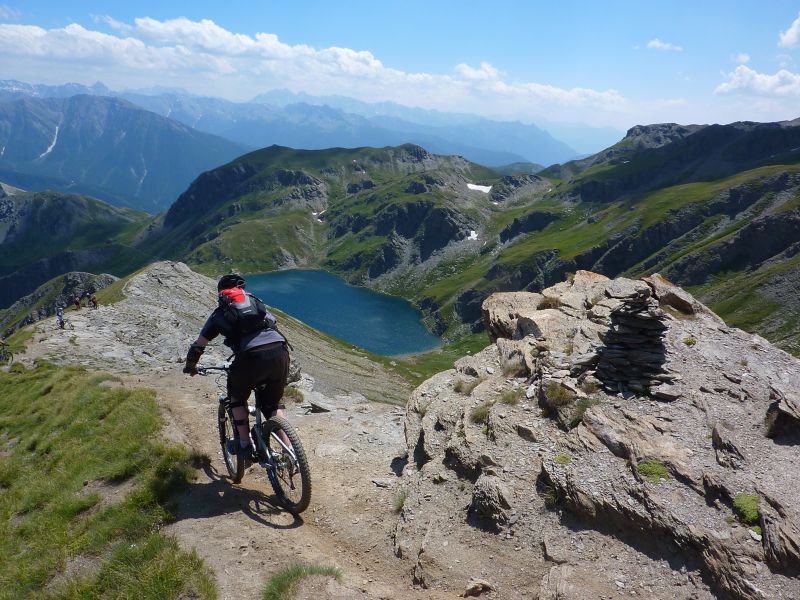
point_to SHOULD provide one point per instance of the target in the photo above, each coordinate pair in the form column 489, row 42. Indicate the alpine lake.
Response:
column 380, row 323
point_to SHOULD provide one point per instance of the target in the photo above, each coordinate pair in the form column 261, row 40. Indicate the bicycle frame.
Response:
column 263, row 449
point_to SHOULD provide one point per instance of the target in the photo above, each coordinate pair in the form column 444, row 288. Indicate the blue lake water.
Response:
column 380, row 323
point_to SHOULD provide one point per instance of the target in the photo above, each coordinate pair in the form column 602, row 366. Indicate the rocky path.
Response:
column 597, row 450
column 237, row 529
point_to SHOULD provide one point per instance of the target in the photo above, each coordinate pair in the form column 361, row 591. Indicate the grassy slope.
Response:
column 49, row 291
column 249, row 231
column 96, row 225
column 49, row 517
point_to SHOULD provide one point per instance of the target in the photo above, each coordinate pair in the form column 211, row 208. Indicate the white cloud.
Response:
column 112, row 22
column 657, row 44
column 484, row 73
column 205, row 58
column 6, row 12
column 742, row 58
column 744, row 80
column 785, row 61
column 791, row 37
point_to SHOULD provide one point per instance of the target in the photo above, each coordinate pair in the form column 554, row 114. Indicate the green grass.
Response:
column 746, row 507
column 562, row 459
column 548, row 302
column 400, row 500
column 115, row 292
column 255, row 245
column 557, row 395
column 512, row 397
column 480, row 413
column 582, row 406
column 652, row 470
column 553, row 496
column 465, row 386
column 689, row 340
column 293, row 393
column 61, row 429
column 417, row 368
column 18, row 341
column 282, row 585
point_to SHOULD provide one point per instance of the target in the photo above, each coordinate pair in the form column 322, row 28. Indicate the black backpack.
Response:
column 244, row 312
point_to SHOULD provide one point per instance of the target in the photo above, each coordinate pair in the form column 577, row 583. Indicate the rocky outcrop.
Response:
column 19, row 283
column 406, row 219
column 213, row 188
column 441, row 227
column 42, row 303
column 512, row 187
column 616, row 414
column 533, row 221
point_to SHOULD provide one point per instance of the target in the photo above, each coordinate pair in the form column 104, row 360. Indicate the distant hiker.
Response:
column 261, row 355
column 60, row 317
column 76, row 300
column 93, row 301
column 87, row 296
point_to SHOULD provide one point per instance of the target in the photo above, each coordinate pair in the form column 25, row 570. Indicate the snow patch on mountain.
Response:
column 52, row 144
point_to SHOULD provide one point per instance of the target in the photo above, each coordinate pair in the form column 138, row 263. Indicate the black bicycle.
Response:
column 278, row 450
column 65, row 323
column 6, row 356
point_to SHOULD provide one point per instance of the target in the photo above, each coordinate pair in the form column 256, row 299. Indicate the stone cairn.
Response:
column 633, row 354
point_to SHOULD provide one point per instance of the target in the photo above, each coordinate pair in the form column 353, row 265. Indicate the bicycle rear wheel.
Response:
column 232, row 463
column 291, row 479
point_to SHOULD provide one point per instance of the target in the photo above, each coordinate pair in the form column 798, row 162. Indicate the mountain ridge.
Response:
column 105, row 146
column 307, row 123
column 405, row 221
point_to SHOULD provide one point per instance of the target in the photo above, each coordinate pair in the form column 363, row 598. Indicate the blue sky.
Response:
column 615, row 63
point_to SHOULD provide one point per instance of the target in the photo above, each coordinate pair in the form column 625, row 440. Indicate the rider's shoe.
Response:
column 246, row 455
column 242, row 454
column 232, row 446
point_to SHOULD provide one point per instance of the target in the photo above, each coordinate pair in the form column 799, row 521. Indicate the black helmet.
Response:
column 231, row 280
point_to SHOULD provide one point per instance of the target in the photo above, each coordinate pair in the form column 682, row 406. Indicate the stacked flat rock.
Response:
column 633, row 353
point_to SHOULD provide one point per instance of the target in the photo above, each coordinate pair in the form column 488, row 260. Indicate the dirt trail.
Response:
column 354, row 450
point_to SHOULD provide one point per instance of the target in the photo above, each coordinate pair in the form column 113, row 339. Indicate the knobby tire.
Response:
column 232, row 463
column 303, row 475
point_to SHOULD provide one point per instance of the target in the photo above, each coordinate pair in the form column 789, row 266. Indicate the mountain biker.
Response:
column 60, row 317
column 261, row 356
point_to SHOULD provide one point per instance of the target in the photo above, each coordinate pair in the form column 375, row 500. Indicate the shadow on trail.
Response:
column 219, row 497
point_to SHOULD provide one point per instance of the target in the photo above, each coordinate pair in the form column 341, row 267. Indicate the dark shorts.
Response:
column 262, row 365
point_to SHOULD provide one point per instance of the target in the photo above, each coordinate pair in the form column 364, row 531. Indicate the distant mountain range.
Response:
column 106, row 147
column 580, row 138
column 309, row 122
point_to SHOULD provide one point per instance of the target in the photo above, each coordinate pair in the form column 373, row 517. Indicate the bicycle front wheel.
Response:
column 291, row 479
column 234, row 465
